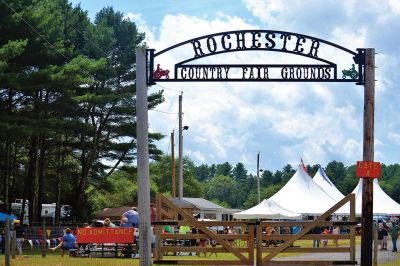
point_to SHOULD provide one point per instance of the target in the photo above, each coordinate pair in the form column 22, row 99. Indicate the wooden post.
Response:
column 143, row 159
column 352, row 227
column 368, row 155
column 173, row 165
column 7, row 260
column 158, row 255
column 250, row 244
column 13, row 242
column 258, row 177
column 259, row 257
column 375, row 262
column 44, row 239
column 180, row 149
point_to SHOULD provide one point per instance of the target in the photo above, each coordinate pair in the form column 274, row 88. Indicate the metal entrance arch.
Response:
column 356, row 67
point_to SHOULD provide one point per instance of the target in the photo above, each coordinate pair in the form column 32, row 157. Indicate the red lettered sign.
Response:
column 105, row 235
column 368, row 169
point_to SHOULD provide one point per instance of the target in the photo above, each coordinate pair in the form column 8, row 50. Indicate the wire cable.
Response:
column 163, row 87
column 164, row 112
column 36, row 30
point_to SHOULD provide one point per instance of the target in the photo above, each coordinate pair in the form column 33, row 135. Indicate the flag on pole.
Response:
column 302, row 164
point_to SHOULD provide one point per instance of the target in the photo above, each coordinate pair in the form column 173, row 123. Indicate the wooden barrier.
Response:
column 304, row 234
column 224, row 242
column 241, row 244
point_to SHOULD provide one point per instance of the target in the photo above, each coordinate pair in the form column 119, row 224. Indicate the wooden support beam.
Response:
column 205, row 230
column 200, row 262
column 310, row 250
column 203, row 236
column 352, row 228
column 306, row 229
column 250, row 244
column 158, row 253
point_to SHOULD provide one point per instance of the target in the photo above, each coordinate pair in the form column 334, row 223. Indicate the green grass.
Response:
column 57, row 260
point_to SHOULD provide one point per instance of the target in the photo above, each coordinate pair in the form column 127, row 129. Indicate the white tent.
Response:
column 383, row 204
column 326, row 184
column 302, row 195
column 266, row 209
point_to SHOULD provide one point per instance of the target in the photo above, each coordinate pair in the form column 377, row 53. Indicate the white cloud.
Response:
column 352, row 149
column 394, row 137
column 197, row 155
column 319, row 122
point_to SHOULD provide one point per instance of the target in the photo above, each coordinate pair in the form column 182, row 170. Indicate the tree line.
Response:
column 231, row 185
column 67, row 103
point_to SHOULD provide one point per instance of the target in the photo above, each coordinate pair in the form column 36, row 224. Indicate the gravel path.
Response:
column 383, row 256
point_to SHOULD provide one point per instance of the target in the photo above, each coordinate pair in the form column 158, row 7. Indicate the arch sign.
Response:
column 326, row 61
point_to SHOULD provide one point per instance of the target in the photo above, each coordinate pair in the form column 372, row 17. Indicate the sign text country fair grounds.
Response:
column 321, row 54
column 368, row 169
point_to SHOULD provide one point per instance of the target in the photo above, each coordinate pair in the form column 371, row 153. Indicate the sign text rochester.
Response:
column 254, row 40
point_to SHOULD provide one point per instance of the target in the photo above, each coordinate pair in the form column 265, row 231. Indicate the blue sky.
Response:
column 319, row 122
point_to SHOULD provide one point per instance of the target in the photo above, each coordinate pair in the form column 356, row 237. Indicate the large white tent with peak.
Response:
column 302, row 195
column 326, row 184
column 383, row 204
column 266, row 209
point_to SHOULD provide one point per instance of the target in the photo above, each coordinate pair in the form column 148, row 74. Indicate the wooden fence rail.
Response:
column 251, row 243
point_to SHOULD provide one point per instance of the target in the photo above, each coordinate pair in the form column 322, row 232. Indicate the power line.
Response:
column 164, row 112
column 169, row 88
column 37, row 31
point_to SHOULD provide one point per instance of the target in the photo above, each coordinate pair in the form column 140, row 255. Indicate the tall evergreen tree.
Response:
column 224, row 169
column 239, row 171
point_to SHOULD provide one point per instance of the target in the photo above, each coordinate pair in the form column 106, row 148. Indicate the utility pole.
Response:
column 173, row 192
column 180, row 149
column 368, row 155
column 258, row 177
column 143, row 159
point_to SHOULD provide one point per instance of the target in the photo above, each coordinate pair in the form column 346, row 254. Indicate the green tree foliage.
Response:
column 312, row 170
column 67, row 98
column 224, row 169
column 160, row 174
column 239, row 171
column 202, row 172
column 222, row 188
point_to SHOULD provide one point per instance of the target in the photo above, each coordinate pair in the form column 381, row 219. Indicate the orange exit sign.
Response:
column 368, row 169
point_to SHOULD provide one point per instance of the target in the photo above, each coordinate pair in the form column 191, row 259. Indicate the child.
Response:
column 325, row 241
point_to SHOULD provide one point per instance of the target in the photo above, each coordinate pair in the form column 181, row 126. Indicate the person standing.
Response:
column 130, row 218
column 394, row 234
column 380, row 237
column 19, row 235
column 336, row 231
column 316, row 231
column 325, row 241
column 385, row 235
column 152, row 212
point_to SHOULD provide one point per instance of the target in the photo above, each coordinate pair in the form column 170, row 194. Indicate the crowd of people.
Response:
column 130, row 218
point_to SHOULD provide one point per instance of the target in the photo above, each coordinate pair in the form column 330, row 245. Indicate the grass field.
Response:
column 56, row 260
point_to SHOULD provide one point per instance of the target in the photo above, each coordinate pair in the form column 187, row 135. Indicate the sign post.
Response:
column 143, row 159
column 354, row 67
column 368, row 156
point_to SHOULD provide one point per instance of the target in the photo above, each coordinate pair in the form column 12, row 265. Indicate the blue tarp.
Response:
column 4, row 216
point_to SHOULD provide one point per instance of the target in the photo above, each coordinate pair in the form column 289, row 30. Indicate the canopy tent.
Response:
column 326, row 184
column 4, row 216
column 266, row 209
column 302, row 195
column 383, row 204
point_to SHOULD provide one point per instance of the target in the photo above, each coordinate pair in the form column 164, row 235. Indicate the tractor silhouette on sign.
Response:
column 159, row 73
column 351, row 73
